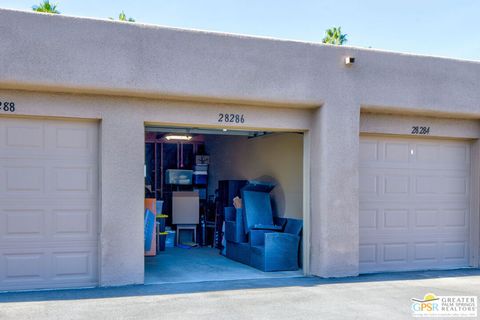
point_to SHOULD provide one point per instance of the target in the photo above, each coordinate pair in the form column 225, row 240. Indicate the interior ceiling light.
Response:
column 178, row 137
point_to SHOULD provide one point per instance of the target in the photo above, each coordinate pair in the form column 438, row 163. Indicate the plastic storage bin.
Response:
column 159, row 207
column 200, row 178
column 201, row 167
column 161, row 222
column 162, row 237
column 178, row 176
column 170, row 239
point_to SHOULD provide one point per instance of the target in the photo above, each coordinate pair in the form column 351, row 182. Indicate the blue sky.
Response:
column 449, row 28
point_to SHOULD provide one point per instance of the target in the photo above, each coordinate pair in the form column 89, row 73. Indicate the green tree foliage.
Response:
column 334, row 36
column 123, row 17
column 46, row 6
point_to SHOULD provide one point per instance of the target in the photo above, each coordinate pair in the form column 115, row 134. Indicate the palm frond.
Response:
column 335, row 36
column 47, row 7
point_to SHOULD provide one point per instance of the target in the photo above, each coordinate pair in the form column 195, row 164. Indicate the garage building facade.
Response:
column 391, row 155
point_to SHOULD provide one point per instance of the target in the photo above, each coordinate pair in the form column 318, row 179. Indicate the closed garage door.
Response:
column 48, row 203
column 414, row 204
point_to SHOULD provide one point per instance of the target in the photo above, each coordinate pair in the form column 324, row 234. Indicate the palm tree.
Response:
column 123, row 17
column 334, row 36
column 46, row 6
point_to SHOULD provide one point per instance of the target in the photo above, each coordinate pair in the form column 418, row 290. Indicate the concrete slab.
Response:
column 376, row 296
column 177, row 265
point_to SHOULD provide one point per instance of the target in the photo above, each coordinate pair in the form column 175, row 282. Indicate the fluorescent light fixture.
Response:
column 178, row 137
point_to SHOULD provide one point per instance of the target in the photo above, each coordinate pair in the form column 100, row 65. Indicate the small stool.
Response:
column 187, row 227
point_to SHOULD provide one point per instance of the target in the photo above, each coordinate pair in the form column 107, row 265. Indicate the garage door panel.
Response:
column 446, row 184
column 48, row 179
column 427, row 153
column 427, row 250
column 454, row 250
column 455, row 154
column 24, row 179
column 426, row 219
column 73, row 222
column 368, row 219
column 414, row 204
column 396, row 184
column 35, row 268
column 48, row 203
column 415, row 157
column 368, row 253
column 52, row 224
column 68, row 265
column 368, row 151
column 19, row 134
column 412, row 237
column 395, row 219
column 396, row 152
column 25, row 138
column 390, row 216
column 454, row 218
column 370, row 183
column 71, row 138
column 411, row 256
column 24, row 266
column 73, row 179
column 24, row 224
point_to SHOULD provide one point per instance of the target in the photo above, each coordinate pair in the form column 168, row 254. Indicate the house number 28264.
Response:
column 7, row 106
column 231, row 118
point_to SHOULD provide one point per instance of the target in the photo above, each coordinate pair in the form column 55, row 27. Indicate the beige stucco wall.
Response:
column 88, row 55
column 126, row 74
column 276, row 158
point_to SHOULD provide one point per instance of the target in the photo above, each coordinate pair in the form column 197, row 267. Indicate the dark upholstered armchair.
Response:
column 276, row 251
column 257, row 238
column 238, row 248
column 258, row 214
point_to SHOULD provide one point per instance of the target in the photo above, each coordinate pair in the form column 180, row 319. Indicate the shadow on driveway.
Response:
column 197, row 287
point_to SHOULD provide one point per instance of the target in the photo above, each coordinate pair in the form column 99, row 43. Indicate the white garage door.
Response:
column 414, row 204
column 48, row 203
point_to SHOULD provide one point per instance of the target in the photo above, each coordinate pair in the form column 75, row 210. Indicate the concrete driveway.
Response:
column 379, row 296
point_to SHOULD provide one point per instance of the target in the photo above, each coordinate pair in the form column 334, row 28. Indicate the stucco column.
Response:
column 334, row 190
column 122, row 191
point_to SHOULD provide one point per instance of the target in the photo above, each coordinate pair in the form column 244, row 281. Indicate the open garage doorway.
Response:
column 222, row 204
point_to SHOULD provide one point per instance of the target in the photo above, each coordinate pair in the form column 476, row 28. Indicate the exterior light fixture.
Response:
column 178, row 137
column 224, row 130
column 349, row 61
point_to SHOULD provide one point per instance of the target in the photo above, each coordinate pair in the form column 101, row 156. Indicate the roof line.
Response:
column 244, row 36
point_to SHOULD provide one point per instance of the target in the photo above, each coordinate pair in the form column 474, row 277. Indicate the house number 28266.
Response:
column 231, row 118
column 7, row 106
